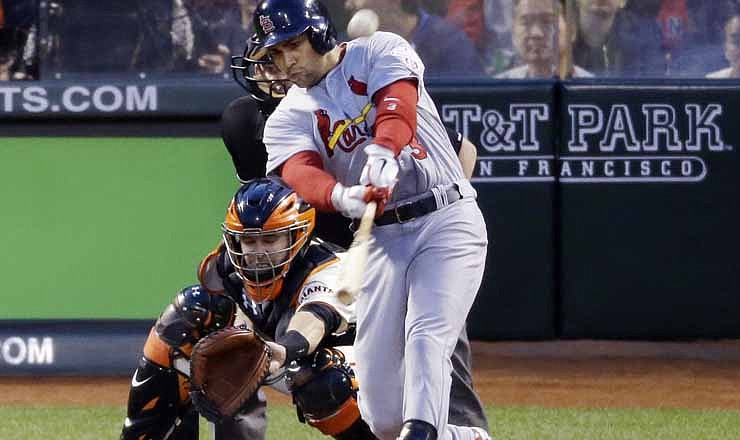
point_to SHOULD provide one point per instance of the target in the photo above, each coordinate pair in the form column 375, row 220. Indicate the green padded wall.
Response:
column 106, row 227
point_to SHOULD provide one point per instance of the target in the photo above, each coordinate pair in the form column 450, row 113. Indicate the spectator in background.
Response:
column 732, row 50
column 213, row 30
column 5, row 47
column 541, row 39
column 191, row 36
column 18, row 35
column 706, row 19
column 618, row 43
column 445, row 50
column 692, row 35
column 436, row 7
column 488, row 24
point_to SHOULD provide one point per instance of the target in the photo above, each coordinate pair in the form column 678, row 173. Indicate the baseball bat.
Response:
column 354, row 265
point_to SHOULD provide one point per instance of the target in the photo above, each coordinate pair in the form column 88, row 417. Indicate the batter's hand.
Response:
column 381, row 168
column 352, row 200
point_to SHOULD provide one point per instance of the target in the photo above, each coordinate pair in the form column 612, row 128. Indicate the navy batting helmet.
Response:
column 276, row 21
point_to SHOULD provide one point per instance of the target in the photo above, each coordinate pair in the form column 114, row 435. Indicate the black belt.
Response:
column 418, row 208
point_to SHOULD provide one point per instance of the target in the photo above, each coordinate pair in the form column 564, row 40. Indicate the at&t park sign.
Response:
column 590, row 143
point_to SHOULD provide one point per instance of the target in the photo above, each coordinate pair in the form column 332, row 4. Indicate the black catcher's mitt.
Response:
column 226, row 369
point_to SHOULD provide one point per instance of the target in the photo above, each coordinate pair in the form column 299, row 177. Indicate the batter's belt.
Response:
column 431, row 202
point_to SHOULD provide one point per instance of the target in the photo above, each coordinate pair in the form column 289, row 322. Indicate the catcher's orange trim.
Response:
column 156, row 350
column 151, row 404
column 159, row 352
column 340, row 421
column 204, row 267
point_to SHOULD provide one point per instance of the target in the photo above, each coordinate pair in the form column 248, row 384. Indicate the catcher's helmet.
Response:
column 267, row 225
column 276, row 21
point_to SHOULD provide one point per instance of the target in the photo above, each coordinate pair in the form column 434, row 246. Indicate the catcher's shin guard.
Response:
column 156, row 410
column 325, row 393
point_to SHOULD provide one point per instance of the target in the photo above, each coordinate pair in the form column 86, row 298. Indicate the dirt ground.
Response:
column 695, row 375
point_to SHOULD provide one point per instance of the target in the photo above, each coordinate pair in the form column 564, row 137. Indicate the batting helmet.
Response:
column 267, row 225
column 276, row 21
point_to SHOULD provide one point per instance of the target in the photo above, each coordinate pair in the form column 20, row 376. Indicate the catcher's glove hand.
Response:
column 226, row 369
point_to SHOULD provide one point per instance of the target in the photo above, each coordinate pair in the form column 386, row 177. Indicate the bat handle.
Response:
column 357, row 256
column 366, row 222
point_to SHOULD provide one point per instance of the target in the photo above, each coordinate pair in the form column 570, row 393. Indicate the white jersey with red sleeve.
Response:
column 336, row 119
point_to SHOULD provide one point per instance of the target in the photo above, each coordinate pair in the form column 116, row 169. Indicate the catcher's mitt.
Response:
column 226, row 369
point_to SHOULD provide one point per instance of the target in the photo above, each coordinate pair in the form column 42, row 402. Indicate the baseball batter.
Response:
column 361, row 126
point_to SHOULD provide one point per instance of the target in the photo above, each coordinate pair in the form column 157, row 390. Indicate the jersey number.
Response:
column 417, row 150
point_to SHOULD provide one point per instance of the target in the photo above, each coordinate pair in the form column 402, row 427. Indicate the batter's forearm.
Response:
column 305, row 173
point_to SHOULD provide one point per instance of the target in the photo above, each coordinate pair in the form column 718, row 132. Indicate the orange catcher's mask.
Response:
column 267, row 225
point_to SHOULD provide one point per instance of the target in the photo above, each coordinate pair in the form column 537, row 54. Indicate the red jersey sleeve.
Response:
column 304, row 172
column 395, row 121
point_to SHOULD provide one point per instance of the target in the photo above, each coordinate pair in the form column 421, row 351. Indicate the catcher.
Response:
column 280, row 279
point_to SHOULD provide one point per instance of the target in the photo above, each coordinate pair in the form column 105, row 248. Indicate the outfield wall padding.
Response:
column 649, row 211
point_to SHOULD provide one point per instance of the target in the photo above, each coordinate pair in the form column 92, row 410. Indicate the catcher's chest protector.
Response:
column 271, row 319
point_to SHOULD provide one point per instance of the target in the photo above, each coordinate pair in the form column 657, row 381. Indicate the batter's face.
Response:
column 297, row 59
column 732, row 42
column 535, row 24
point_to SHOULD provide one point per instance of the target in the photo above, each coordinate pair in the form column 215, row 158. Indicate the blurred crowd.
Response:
column 19, row 25
column 507, row 39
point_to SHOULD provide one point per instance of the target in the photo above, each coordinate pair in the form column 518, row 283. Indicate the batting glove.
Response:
column 381, row 168
column 351, row 201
